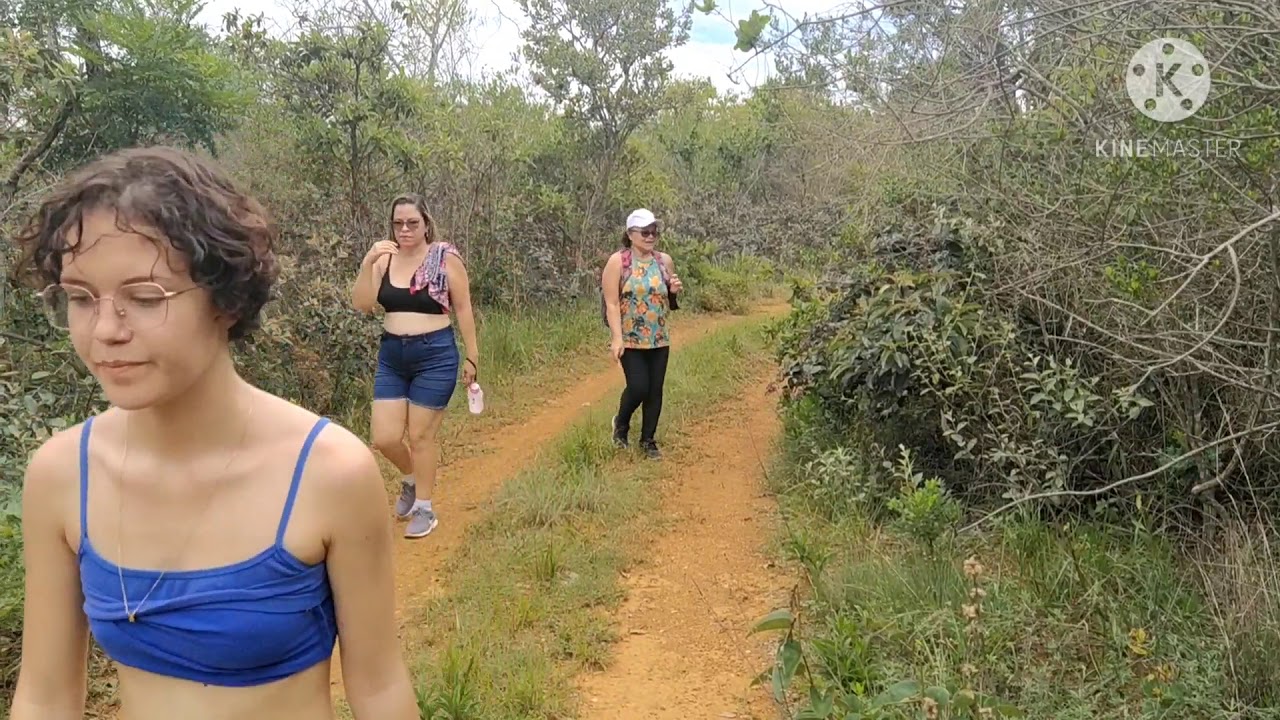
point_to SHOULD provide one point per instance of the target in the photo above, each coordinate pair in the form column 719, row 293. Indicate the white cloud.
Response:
column 726, row 68
column 496, row 36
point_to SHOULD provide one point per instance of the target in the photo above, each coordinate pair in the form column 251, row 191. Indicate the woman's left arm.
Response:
column 676, row 286
column 377, row 680
column 460, row 299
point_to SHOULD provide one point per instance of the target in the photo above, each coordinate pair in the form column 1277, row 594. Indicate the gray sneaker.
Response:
column 421, row 522
column 408, row 493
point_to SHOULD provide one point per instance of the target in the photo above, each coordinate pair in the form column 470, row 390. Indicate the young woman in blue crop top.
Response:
column 418, row 280
column 215, row 539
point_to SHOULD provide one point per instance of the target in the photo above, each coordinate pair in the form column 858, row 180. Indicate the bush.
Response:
column 718, row 284
column 915, row 346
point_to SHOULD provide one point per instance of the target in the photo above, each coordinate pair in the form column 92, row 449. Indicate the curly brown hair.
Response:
column 225, row 234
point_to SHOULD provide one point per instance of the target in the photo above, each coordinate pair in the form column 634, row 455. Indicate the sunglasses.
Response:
column 649, row 233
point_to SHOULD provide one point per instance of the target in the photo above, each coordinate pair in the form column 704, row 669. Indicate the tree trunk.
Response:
column 9, row 190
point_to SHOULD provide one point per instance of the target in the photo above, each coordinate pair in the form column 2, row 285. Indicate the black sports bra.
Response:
column 398, row 299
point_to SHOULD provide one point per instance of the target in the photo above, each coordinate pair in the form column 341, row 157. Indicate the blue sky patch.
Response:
column 712, row 29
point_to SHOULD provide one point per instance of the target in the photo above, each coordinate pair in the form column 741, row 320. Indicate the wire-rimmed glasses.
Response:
column 140, row 306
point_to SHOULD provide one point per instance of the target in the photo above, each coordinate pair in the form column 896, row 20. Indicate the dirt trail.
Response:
column 464, row 485
column 685, row 653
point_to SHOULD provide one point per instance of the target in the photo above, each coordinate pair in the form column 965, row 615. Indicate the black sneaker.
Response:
column 651, row 449
column 619, row 436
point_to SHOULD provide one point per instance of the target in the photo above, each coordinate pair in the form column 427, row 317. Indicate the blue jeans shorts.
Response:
column 420, row 368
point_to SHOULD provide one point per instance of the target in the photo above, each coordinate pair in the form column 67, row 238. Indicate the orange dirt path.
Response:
column 685, row 653
column 465, row 485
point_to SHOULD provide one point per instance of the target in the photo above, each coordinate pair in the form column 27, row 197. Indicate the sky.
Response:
column 708, row 53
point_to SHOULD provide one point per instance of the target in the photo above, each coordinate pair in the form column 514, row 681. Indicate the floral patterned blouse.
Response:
column 644, row 306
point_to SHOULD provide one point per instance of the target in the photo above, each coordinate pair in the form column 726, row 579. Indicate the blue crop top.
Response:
column 248, row 623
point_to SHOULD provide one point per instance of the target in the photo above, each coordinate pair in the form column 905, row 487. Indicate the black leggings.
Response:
column 645, row 371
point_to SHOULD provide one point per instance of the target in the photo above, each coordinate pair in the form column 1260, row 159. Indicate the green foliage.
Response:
column 1136, row 280
column 89, row 77
column 1064, row 628
column 1074, row 622
column 345, row 101
column 609, row 67
column 838, row 668
column 835, row 482
column 452, row 695
column 603, row 63
column 750, row 30
column 923, row 510
column 712, row 285
column 928, row 359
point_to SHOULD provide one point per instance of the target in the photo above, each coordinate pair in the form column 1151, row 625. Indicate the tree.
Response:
column 426, row 39
column 602, row 63
column 437, row 39
column 345, row 100
column 85, row 77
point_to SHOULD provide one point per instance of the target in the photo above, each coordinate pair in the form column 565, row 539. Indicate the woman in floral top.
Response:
column 639, row 286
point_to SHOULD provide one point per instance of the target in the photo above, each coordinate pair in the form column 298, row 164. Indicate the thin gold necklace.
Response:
column 124, row 597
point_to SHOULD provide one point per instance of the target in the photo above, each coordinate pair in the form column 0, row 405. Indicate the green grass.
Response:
column 514, row 343
column 530, row 593
column 524, row 355
column 1072, row 624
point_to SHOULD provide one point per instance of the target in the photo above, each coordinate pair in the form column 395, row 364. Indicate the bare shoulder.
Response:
column 57, row 459
column 453, row 261
column 337, row 445
column 50, row 487
column 55, row 464
column 342, row 466
column 335, row 456
column 347, row 490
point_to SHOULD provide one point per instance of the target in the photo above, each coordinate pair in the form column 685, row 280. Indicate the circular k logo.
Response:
column 1168, row 79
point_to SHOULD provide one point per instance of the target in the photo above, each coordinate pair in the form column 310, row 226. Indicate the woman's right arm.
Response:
column 55, row 635
column 364, row 292
column 610, row 286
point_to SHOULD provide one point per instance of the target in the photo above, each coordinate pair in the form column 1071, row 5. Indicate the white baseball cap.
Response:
column 641, row 218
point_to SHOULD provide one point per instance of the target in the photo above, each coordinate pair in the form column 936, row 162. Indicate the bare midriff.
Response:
column 147, row 696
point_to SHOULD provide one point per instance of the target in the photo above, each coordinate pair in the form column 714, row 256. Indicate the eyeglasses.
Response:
column 648, row 233
column 141, row 306
column 409, row 224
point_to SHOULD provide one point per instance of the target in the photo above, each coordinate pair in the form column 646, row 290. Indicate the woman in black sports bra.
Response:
column 417, row 280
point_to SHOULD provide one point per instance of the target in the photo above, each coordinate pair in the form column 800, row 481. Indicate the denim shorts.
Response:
column 420, row 368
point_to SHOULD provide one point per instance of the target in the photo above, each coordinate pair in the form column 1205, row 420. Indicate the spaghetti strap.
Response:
column 84, row 479
column 297, row 476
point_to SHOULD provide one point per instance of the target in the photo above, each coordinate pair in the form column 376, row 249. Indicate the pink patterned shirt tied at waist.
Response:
column 431, row 274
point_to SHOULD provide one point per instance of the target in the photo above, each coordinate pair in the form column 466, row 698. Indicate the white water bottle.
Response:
column 475, row 398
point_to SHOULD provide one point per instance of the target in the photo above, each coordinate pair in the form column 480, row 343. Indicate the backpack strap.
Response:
column 664, row 264
column 625, row 255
